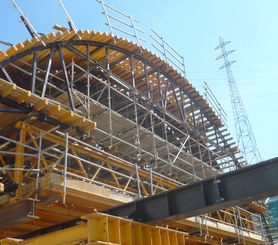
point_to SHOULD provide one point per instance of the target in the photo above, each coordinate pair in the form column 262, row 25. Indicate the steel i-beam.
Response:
column 226, row 190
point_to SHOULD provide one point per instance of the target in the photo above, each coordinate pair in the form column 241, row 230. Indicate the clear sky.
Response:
column 193, row 28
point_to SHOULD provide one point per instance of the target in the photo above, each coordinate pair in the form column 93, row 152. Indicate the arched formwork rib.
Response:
column 145, row 108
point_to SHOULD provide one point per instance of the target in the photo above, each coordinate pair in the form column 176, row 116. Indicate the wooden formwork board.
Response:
column 50, row 107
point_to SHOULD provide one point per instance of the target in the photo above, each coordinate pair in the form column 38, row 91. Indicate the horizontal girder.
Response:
column 230, row 189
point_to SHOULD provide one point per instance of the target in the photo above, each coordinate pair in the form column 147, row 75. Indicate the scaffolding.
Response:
column 94, row 110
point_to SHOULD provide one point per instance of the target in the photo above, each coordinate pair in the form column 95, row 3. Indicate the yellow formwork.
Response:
column 107, row 230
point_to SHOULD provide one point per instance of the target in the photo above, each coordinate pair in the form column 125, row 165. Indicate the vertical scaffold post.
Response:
column 19, row 160
column 138, row 180
column 206, row 224
column 200, row 225
column 107, row 18
column 236, row 225
column 151, row 111
column 135, row 98
column 65, row 168
column 109, row 98
column 47, row 72
column 210, row 163
column 240, row 223
column 183, row 65
column 164, row 49
column 34, row 72
column 134, row 29
column 38, row 167
column 192, row 160
column 72, row 74
column 262, row 228
column 201, row 158
column 88, row 82
column 67, row 83
column 166, row 138
column 151, row 179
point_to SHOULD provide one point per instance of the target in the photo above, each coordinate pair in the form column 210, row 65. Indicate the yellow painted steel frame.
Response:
column 108, row 162
column 109, row 230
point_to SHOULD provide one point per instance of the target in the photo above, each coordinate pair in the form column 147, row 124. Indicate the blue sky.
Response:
column 193, row 28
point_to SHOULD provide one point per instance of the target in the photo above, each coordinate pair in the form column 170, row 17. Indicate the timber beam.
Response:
column 234, row 188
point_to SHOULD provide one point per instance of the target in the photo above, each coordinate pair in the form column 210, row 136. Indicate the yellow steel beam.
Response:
column 107, row 229
column 114, row 176
column 128, row 181
column 80, row 164
column 37, row 147
column 143, row 188
column 34, row 163
column 4, row 164
column 73, row 235
column 115, row 230
column 97, row 172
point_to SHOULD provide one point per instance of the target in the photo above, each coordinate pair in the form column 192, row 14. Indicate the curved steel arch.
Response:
column 69, row 43
column 99, row 44
column 74, row 42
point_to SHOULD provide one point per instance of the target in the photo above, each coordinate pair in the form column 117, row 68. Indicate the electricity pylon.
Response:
column 245, row 137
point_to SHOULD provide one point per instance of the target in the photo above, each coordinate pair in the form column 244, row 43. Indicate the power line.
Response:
column 237, row 70
column 241, row 78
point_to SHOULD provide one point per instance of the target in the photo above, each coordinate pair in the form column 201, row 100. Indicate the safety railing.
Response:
column 38, row 152
column 243, row 222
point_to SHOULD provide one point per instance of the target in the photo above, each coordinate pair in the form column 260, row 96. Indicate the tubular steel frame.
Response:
column 172, row 94
column 152, row 134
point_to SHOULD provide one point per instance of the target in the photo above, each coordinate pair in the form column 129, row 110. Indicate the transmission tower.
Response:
column 245, row 137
